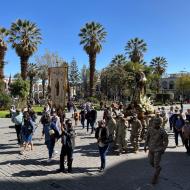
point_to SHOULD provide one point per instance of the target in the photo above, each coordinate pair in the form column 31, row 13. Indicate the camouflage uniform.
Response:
column 157, row 141
column 121, row 132
column 111, row 124
column 136, row 128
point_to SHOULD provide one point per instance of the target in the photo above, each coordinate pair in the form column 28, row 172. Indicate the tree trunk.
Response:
column 31, row 85
column 24, row 66
column 92, row 61
column 43, row 88
column 2, row 63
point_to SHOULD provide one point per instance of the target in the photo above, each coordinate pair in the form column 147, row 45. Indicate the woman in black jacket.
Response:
column 102, row 135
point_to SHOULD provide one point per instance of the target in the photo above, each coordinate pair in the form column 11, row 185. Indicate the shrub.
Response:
column 5, row 101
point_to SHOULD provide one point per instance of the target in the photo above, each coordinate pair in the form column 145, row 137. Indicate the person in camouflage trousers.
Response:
column 157, row 142
column 111, row 124
column 121, row 132
column 136, row 128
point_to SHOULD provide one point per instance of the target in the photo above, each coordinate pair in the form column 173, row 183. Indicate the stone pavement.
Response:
column 128, row 171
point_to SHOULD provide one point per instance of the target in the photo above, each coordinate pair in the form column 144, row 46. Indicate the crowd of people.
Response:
column 115, row 132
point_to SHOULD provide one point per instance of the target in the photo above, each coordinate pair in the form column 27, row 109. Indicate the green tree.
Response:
column 25, row 37
column 159, row 65
column 32, row 73
column 183, row 84
column 20, row 89
column 92, row 35
column 3, row 48
column 136, row 48
column 74, row 75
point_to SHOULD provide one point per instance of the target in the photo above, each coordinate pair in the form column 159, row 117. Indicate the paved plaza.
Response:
column 126, row 172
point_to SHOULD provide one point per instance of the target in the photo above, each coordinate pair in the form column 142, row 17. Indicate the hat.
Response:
column 157, row 121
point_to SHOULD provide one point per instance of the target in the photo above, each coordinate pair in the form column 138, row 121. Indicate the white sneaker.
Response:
column 49, row 160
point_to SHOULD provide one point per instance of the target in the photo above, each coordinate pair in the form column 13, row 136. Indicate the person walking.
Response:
column 121, row 132
column 170, row 114
column 186, row 136
column 178, row 124
column 157, row 142
column 82, row 117
column 136, row 128
column 49, row 134
column 102, row 136
column 93, row 117
column 27, row 131
column 18, row 120
column 68, row 144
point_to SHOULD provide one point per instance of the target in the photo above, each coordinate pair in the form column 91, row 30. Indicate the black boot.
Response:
column 70, row 165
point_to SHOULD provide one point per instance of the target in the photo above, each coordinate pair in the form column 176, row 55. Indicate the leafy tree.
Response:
column 92, row 35
column 136, row 48
column 158, row 65
column 74, row 75
column 3, row 48
column 183, row 84
column 32, row 73
column 19, row 88
column 25, row 37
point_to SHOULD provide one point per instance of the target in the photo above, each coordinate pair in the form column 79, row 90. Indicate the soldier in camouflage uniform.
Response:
column 136, row 128
column 111, row 124
column 157, row 142
column 121, row 132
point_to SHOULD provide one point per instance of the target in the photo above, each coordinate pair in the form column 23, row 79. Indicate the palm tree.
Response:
column 25, row 37
column 135, row 48
column 92, row 35
column 158, row 65
column 3, row 48
column 119, row 59
column 32, row 73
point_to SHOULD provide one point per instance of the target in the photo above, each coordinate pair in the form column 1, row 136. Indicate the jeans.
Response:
column 92, row 123
column 177, row 133
column 50, row 145
column 18, row 132
column 103, row 151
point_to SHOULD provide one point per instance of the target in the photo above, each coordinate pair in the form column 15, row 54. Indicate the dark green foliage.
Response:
column 19, row 88
column 5, row 101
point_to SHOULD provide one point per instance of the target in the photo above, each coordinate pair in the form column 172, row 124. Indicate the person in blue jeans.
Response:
column 102, row 136
column 178, row 124
column 48, row 133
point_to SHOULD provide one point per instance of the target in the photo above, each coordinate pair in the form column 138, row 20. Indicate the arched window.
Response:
column 40, row 87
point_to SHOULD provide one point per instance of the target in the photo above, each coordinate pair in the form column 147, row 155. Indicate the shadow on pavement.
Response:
column 128, row 175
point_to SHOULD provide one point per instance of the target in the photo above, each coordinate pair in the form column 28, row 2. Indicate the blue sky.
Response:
column 163, row 24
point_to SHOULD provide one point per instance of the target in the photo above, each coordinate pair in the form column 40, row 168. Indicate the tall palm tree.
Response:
column 25, row 37
column 136, row 48
column 158, row 65
column 3, row 48
column 92, row 35
column 32, row 73
column 119, row 59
